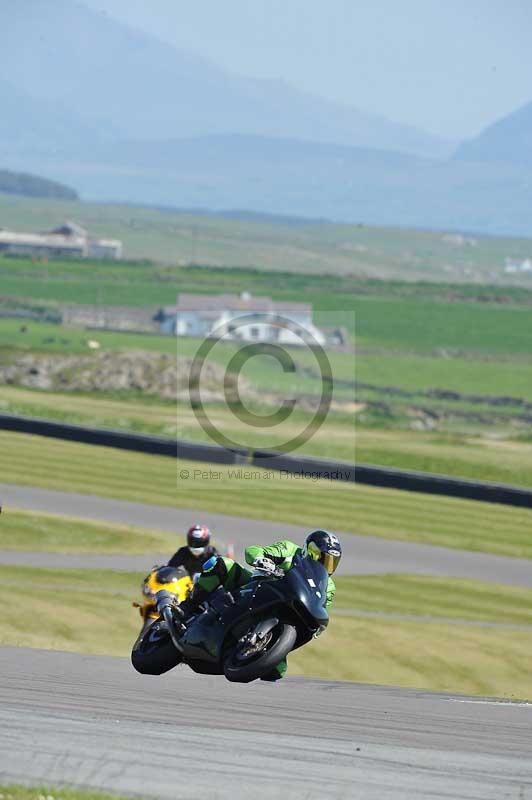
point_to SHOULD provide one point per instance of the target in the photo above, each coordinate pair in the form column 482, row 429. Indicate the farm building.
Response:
column 224, row 315
column 116, row 318
column 68, row 239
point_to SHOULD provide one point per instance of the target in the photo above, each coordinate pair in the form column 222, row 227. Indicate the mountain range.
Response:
column 508, row 140
column 131, row 85
column 124, row 117
column 20, row 183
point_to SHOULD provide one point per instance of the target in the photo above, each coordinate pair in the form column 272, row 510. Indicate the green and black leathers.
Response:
column 282, row 553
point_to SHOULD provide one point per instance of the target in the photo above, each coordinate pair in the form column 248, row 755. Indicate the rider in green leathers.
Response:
column 282, row 554
column 219, row 571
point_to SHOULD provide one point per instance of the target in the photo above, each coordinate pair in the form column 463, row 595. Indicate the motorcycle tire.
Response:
column 282, row 643
column 154, row 652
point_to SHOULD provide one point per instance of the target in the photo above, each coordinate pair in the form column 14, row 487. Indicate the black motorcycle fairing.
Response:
column 204, row 638
column 226, row 618
column 261, row 593
column 303, row 588
column 307, row 581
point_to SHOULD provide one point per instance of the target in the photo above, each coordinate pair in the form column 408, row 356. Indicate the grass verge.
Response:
column 88, row 611
column 17, row 792
column 47, row 533
column 444, row 598
column 446, row 658
column 390, row 514
column 82, row 611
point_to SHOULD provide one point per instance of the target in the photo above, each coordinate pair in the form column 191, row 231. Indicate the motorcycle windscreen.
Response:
column 308, row 581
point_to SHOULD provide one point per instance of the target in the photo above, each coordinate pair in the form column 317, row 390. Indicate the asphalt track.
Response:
column 362, row 554
column 94, row 722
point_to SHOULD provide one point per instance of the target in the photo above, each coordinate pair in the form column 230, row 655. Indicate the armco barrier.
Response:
column 395, row 478
column 296, row 465
column 155, row 445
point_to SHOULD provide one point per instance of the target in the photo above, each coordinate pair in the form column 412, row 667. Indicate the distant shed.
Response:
column 68, row 239
column 117, row 318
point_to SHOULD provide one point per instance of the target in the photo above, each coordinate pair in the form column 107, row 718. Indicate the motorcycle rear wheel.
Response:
column 283, row 640
column 154, row 652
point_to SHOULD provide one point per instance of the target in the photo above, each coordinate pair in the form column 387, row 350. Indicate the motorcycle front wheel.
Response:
column 247, row 661
column 154, row 652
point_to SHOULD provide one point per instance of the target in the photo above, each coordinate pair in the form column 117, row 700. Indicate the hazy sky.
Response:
column 449, row 66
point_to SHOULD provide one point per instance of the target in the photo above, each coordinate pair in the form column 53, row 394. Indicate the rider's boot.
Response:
column 276, row 673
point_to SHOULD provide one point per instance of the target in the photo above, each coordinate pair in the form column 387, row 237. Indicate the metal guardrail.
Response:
column 327, row 469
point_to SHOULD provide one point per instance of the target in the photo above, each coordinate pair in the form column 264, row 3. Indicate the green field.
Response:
column 440, row 378
column 497, row 375
column 353, row 508
column 465, row 393
column 420, row 318
column 177, row 237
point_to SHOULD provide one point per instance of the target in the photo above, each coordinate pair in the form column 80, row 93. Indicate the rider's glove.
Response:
column 266, row 564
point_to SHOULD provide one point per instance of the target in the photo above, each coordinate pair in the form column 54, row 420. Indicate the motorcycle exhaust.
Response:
column 165, row 603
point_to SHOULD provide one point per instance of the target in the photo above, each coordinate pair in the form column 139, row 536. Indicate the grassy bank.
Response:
column 48, row 533
column 74, row 610
column 448, row 658
column 89, row 611
column 17, row 792
column 406, row 516
column 438, row 598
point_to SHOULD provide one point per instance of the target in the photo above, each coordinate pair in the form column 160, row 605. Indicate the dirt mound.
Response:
column 150, row 373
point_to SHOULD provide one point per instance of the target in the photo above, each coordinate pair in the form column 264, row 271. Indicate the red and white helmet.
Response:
column 198, row 538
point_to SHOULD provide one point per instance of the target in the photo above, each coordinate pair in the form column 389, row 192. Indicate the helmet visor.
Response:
column 329, row 560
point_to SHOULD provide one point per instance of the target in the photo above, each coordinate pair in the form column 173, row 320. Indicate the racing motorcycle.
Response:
column 174, row 580
column 243, row 634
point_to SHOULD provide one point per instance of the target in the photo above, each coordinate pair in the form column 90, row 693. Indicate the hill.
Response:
column 303, row 179
column 33, row 186
column 184, row 237
column 39, row 127
column 507, row 140
column 131, row 85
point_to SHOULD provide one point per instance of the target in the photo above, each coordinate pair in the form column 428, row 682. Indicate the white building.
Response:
column 241, row 317
column 513, row 265
column 69, row 239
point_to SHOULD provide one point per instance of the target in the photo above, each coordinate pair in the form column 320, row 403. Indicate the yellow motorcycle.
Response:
column 175, row 580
